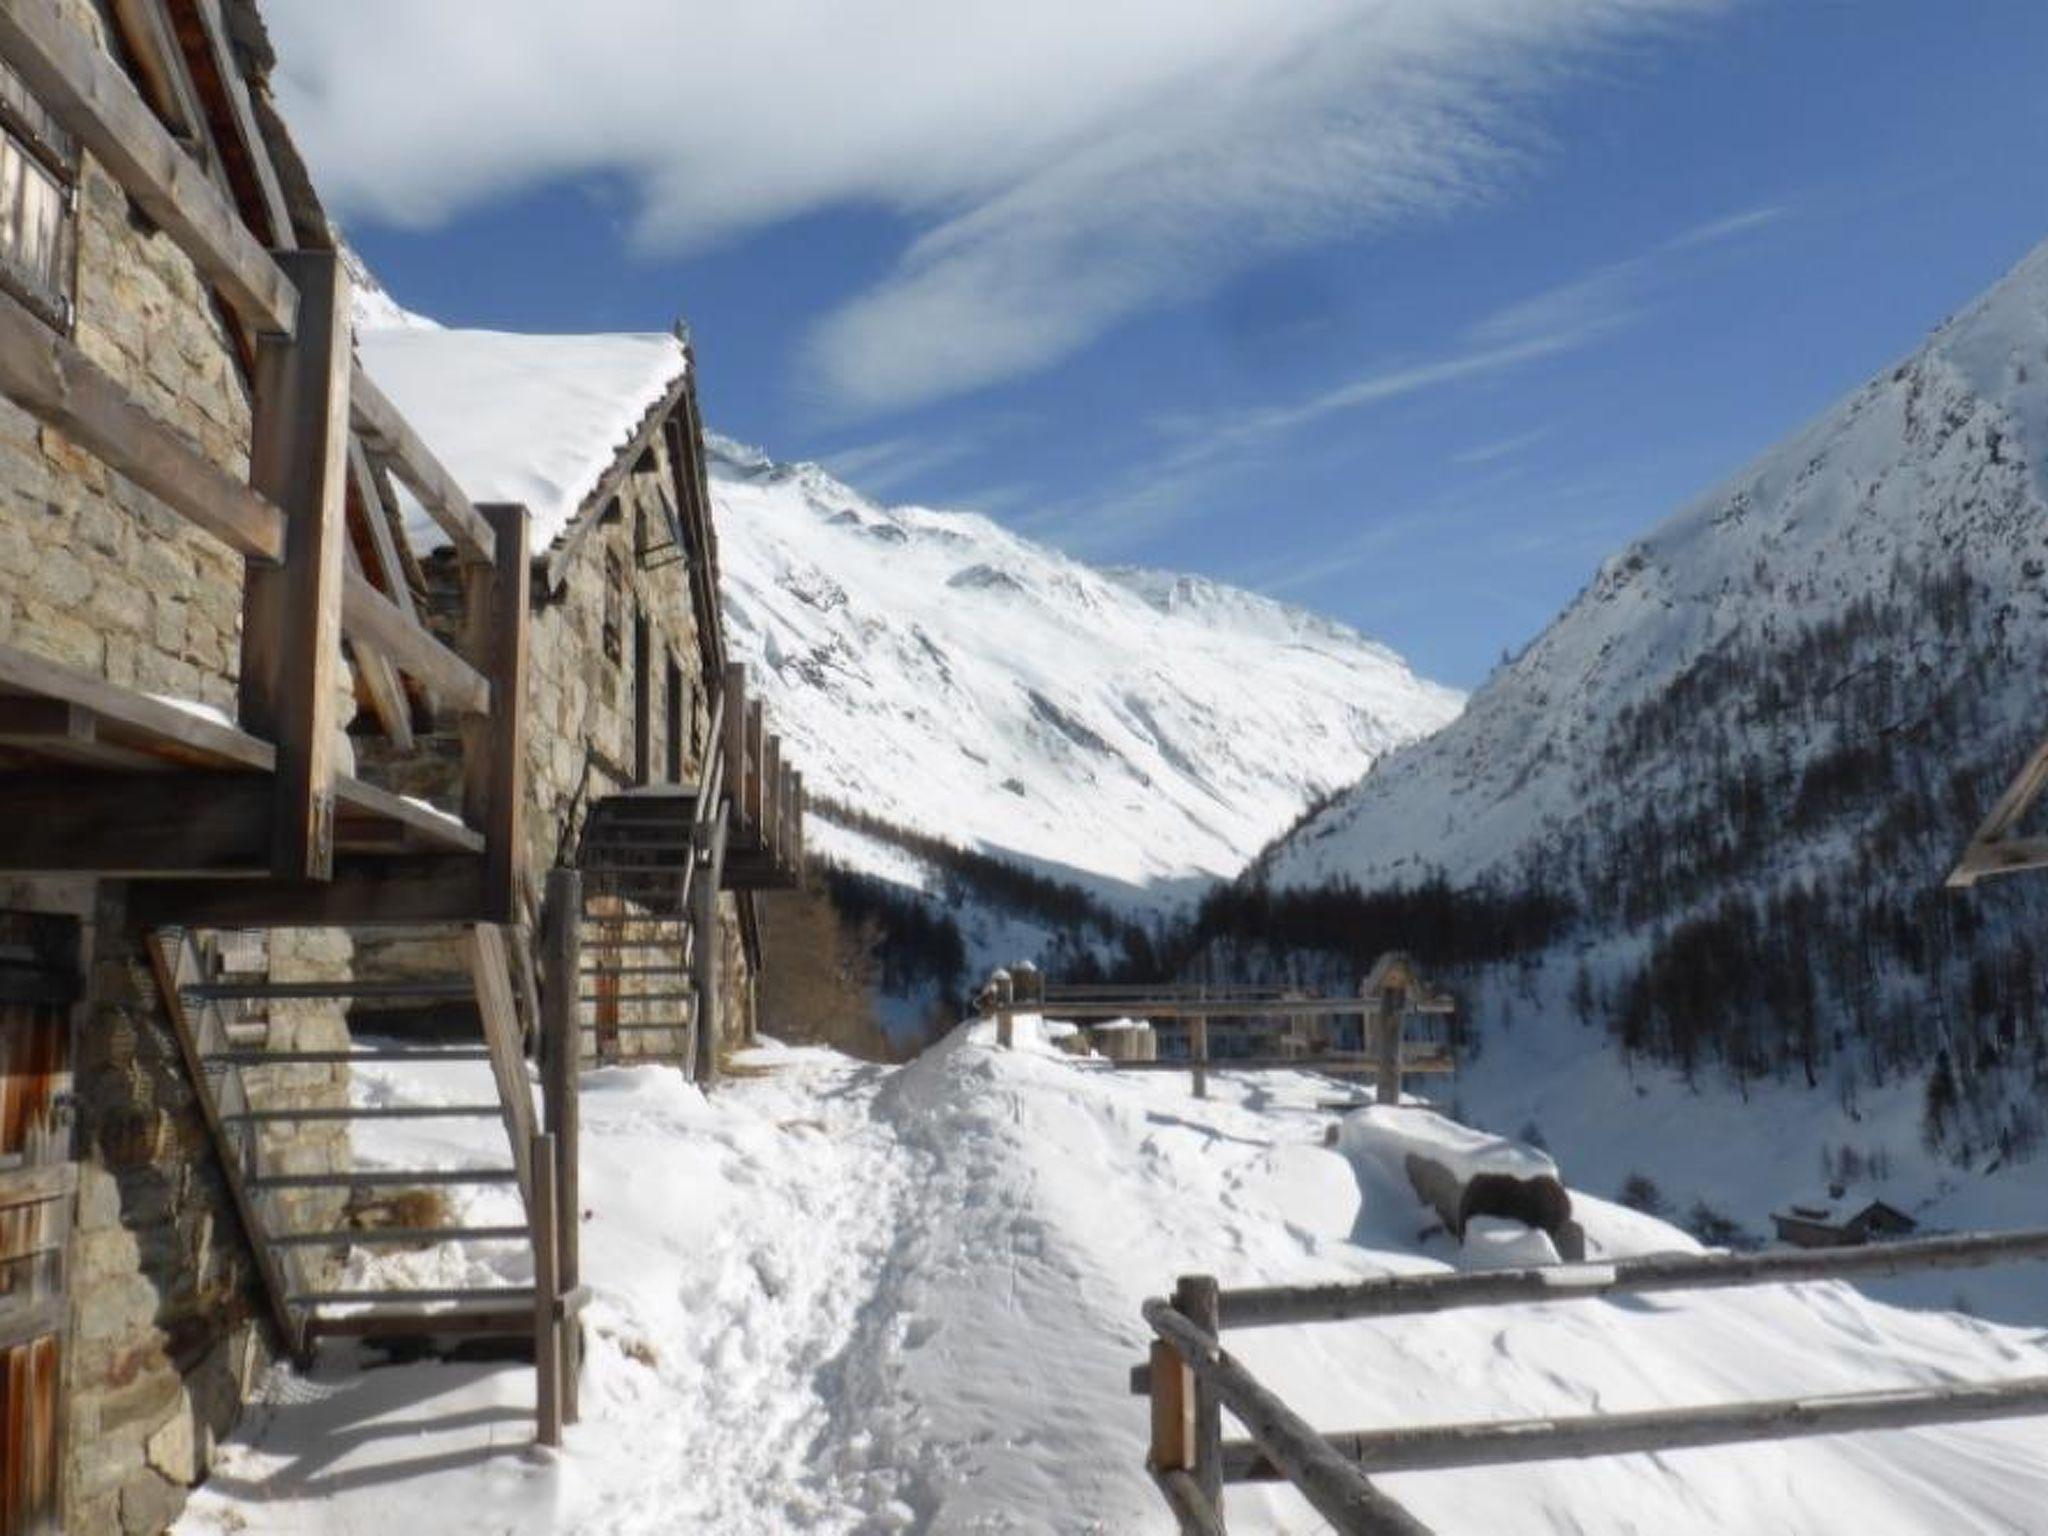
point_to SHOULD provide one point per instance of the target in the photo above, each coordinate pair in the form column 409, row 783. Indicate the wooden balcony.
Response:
column 253, row 820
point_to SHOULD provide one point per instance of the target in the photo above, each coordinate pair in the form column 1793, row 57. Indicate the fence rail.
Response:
column 1190, row 1380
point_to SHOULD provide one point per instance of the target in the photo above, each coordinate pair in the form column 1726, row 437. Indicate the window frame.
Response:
column 46, row 151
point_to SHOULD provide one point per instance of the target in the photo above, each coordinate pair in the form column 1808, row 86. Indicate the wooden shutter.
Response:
column 38, row 981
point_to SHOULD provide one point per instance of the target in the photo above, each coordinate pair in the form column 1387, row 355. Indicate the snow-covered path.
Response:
column 847, row 1300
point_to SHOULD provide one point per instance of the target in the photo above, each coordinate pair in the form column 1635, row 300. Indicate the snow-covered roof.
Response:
column 531, row 419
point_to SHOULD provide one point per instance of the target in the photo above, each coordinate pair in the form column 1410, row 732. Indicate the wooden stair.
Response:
column 227, row 1053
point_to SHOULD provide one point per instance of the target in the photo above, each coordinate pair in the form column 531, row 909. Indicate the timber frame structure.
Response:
column 187, row 840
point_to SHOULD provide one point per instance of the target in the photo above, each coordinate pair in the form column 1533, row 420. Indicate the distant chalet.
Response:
column 1838, row 1226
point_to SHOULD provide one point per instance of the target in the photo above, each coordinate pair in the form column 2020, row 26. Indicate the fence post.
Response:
column 563, row 959
column 1198, row 1046
column 1006, row 1002
column 1387, row 1020
column 1198, row 1299
column 547, row 1296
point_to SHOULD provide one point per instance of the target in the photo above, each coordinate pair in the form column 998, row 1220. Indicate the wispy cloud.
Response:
column 1500, row 448
column 1549, row 323
column 885, row 466
column 1059, row 168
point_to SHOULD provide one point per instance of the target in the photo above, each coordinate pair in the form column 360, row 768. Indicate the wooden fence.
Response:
column 1391, row 994
column 1190, row 1380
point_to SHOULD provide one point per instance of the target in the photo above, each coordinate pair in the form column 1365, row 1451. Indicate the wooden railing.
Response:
column 1191, row 1380
column 767, row 793
column 303, row 589
column 1392, row 993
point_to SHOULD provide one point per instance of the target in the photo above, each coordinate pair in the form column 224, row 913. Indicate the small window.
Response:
column 614, row 606
column 38, row 172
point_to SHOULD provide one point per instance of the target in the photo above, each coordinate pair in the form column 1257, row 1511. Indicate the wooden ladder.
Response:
column 229, row 1055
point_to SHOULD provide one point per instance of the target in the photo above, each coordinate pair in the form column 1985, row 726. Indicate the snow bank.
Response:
column 841, row 1298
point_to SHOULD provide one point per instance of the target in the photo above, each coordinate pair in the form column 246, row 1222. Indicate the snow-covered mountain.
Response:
column 1745, row 757
column 1119, row 727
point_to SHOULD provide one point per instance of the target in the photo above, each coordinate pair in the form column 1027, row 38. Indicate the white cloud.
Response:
column 1060, row 166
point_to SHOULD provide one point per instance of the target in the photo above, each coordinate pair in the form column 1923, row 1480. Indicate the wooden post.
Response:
column 547, row 1295
column 1388, row 1014
column 1006, row 1002
column 749, row 792
column 1198, row 1299
column 796, row 821
column 734, row 746
column 494, row 745
column 704, row 939
column 1198, row 1047
column 291, row 615
column 563, row 958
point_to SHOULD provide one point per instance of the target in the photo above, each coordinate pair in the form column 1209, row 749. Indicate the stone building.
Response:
column 255, row 735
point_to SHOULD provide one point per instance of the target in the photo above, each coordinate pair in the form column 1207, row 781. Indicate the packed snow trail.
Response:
column 850, row 1300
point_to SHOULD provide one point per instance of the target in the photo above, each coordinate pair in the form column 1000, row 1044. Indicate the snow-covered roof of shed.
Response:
column 531, row 419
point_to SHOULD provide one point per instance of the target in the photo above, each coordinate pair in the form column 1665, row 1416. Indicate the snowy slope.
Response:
column 1747, row 755
column 1935, row 464
column 844, row 1299
column 943, row 673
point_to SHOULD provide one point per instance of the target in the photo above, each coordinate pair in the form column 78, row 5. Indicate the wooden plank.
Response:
column 1439, row 1447
column 135, row 718
column 1173, row 1411
column 547, row 1287
column 494, row 745
column 1267, row 1306
column 389, row 435
column 176, row 962
column 375, row 674
column 242, row 142
column 796, row 819
column 291, row 620
column 52, row 380
column 491, row 968
column 371, row 617
column 1195, row 1516
column 1999, row 856
column 367, row 892
column 154, row 49
column 749, row 789
column 1336, row 1487
column 86, row 91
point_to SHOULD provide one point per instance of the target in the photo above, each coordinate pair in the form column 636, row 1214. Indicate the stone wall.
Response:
column 580, row 713
column 99, row 576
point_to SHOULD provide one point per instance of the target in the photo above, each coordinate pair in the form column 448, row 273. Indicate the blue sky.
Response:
column 1413, row 319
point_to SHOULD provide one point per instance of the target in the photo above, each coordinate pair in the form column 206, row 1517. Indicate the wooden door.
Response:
column 38, row 983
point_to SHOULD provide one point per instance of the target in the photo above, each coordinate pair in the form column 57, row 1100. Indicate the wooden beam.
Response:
column 749, row 790
column 368, row 892
column 377, row 676
column 66, row 731
column 1268, row 1306
column 608, row 484
column 389, row 435
column 118, row 824
column 494, row 744
column 1334, row 1486
column 368, row 615
column 707, row 949
column 490, row 968
column 139, row 719
column 732, row 711
column 47, row 376
column 235, row 126
column 86, row 91
column 1438, row 1447
column 771, row 795
column 1194, row 1297
column 291, row 621
column 146, row 33
column 1999, row 856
